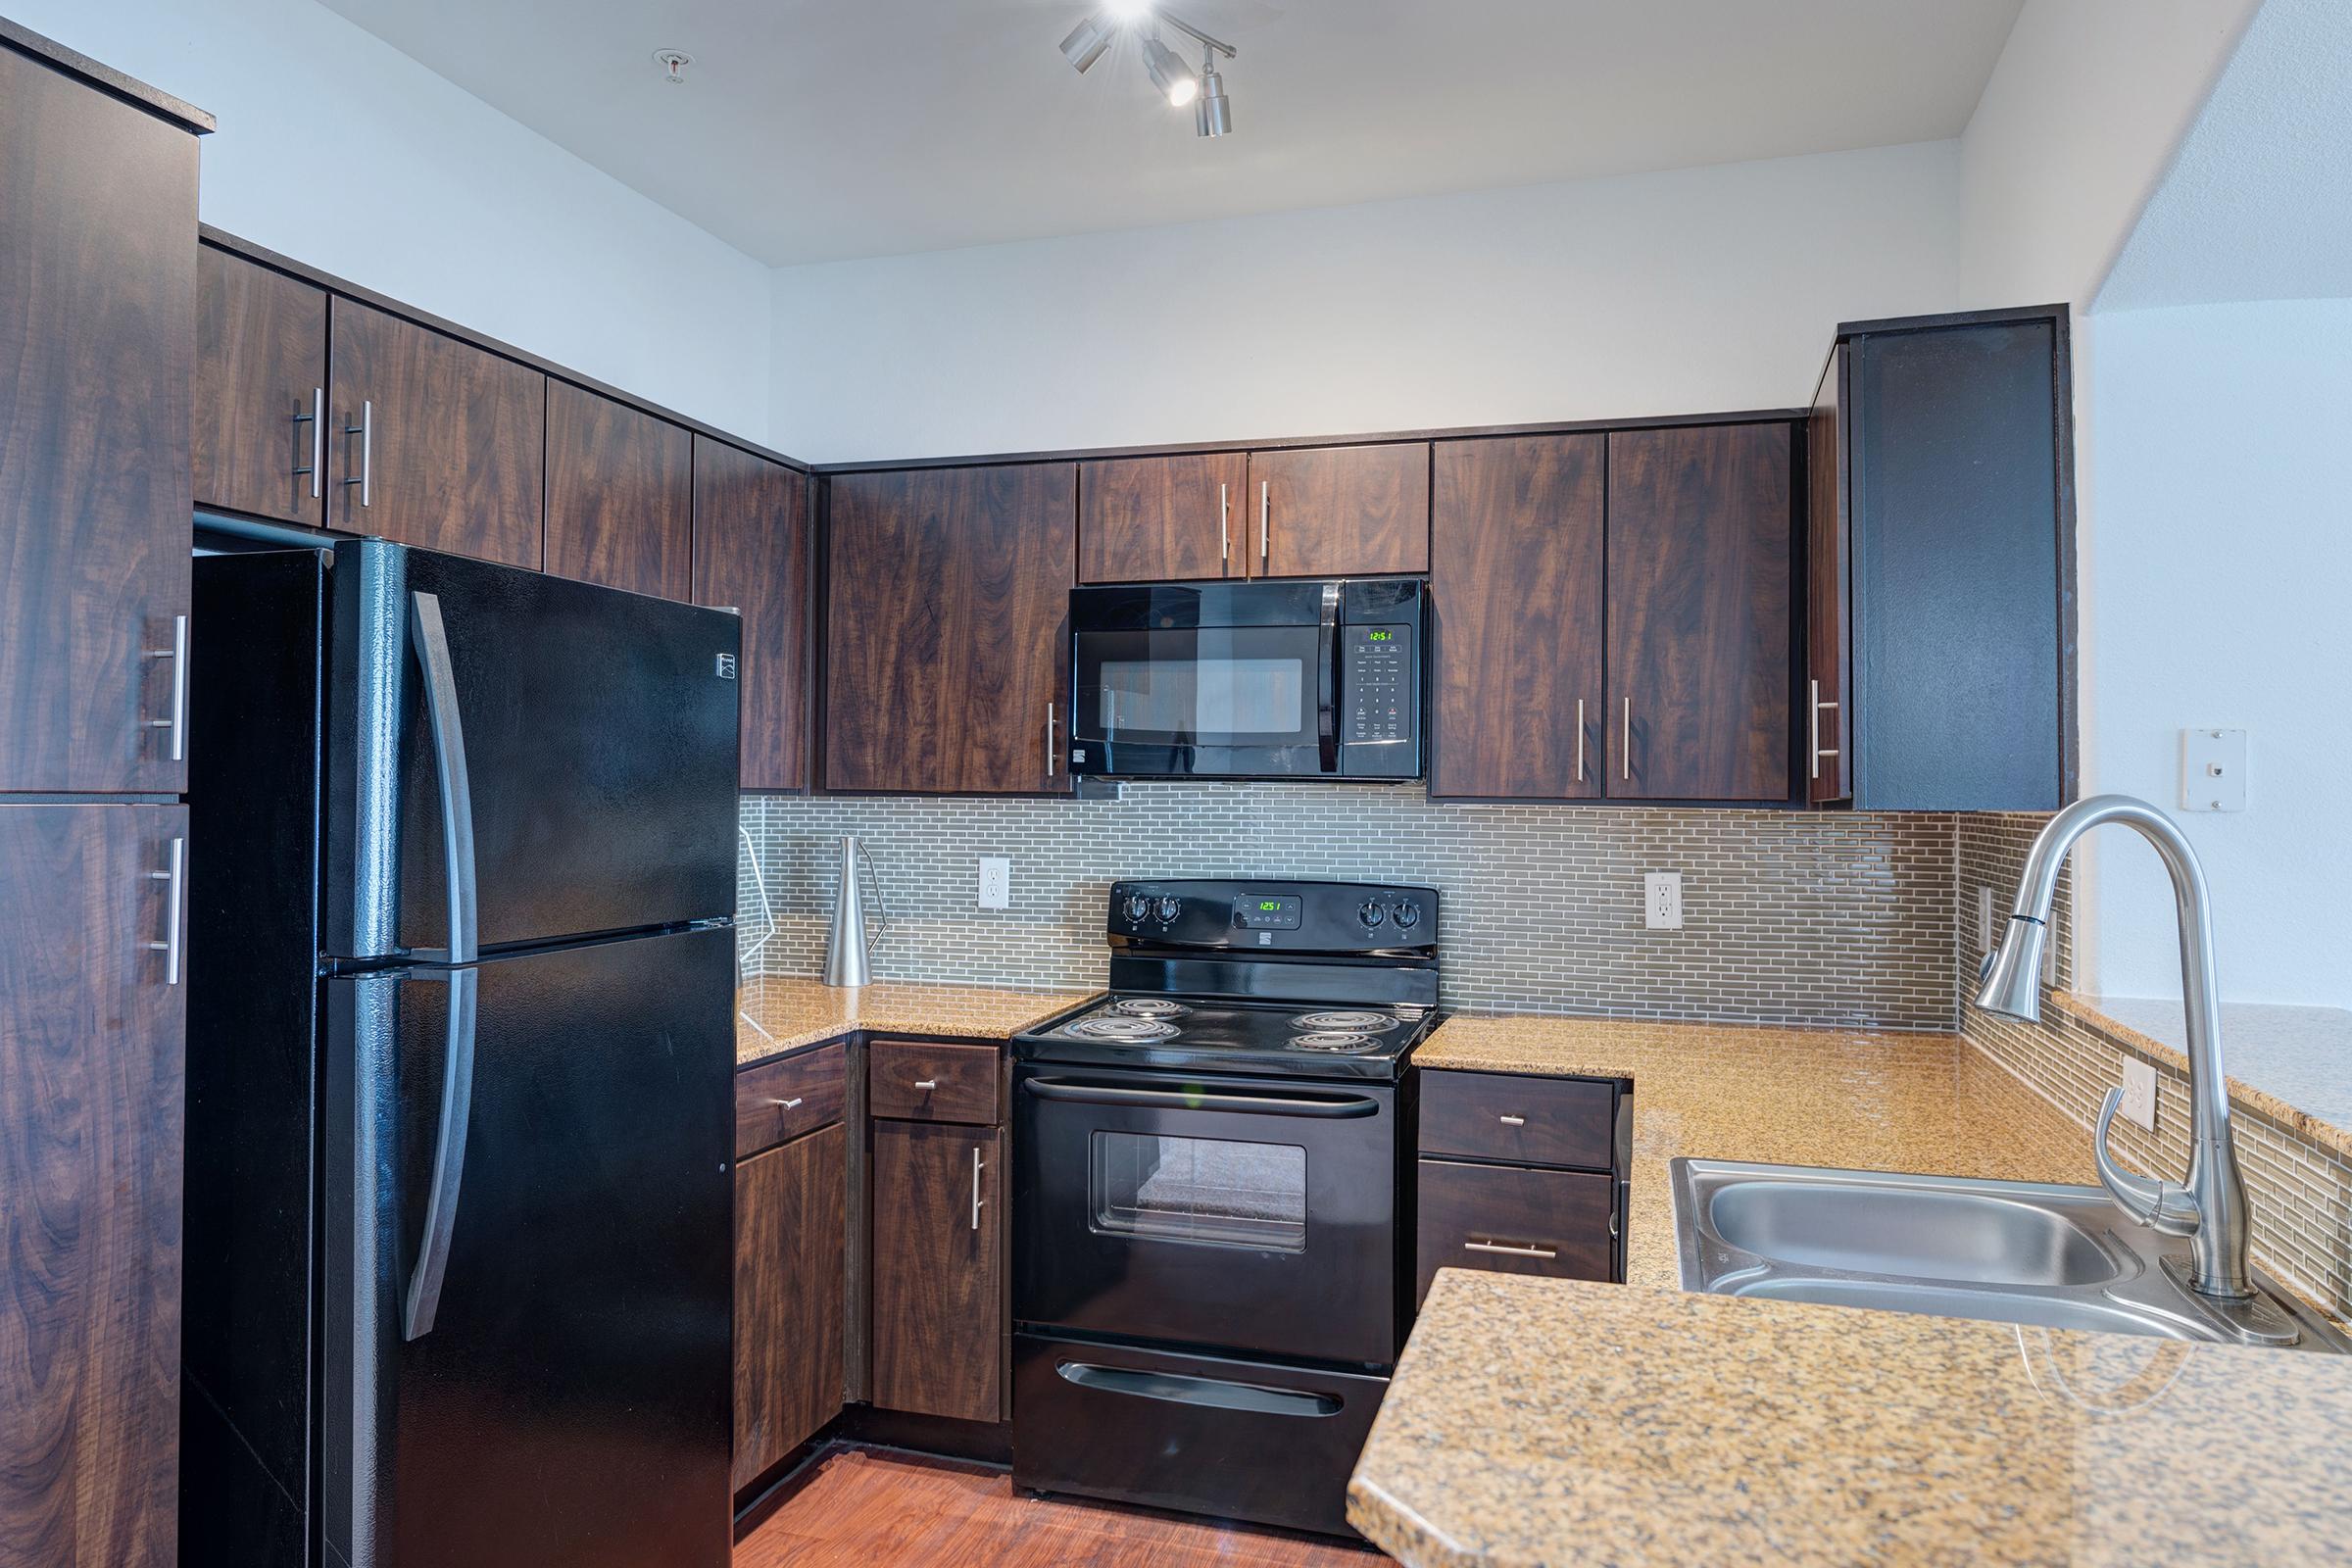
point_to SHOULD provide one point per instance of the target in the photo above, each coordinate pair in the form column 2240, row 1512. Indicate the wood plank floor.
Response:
column 859, row 1507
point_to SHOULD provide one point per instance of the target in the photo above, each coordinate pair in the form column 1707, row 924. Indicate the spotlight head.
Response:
column 1086, row 40
column 1212, row 110
column 1171, row 76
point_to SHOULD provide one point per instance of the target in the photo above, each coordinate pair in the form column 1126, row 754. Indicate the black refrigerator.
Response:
column 460, row 968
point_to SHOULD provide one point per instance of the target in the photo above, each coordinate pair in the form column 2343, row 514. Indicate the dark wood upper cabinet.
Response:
column 260, row 390
column 1699, row 609
column 619, row 495
column 1949, row 462
column 97, row 373
column 938, row 1269
column 790, row 1228
column 92, row 1085
column 947, row 614
column 1517, row 589
column 432, row 441
column 1162, row 519
column 751, row 556
column 1338, row 511
column 1826, row 743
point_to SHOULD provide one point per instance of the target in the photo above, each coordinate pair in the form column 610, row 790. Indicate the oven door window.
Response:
column 1212, row 686
column 1201, row 1190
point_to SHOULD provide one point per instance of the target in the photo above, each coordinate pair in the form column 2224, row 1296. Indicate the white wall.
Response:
column 1668, row 293
column 2221, row 436
column 336, row 149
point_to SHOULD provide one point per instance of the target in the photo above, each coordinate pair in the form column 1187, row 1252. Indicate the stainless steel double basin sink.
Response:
column 2060, row 1257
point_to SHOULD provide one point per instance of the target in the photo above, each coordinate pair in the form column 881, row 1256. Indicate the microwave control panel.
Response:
column 1378, row 680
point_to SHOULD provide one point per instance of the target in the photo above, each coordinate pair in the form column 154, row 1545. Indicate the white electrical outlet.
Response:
column 1662, row 901
column 1985, row 942
column 996, row 882
column 2140, row 1093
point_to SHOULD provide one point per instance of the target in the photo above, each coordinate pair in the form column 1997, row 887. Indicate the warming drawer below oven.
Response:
column 1199, row 1434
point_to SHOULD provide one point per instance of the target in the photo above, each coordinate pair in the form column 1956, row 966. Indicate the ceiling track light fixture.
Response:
column 1204, row 91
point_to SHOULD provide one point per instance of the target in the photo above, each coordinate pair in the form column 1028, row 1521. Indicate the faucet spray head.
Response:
column 2011, row 979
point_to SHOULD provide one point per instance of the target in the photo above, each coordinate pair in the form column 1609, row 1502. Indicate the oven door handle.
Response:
column 1086, row 1093
column 1327, row 681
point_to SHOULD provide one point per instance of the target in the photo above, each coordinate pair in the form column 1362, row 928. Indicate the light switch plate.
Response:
column 996, row 882
column 2140, row 1093
column 1662, row 901
column 2213, row 770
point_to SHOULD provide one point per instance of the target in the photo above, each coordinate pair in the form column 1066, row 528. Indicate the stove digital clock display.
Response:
column 1278, row 911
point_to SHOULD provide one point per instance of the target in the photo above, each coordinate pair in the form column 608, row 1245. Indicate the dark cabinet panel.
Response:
column 431, row 441
column 1512, row 1220
column 1516, row 582
column 1827, row 545
column 1523, row 1119
column 751, row 556
column 1961, row 520
column 1162, row 519
column 1338, row 511
column 938, row 1270
column 947, row 614
column 260, row 390
column 1699, row 614
column 779, row 1101
column 619, row 495
column 916, row 1080
column 92, row 1116
column 789, row 1251
column 97, row 373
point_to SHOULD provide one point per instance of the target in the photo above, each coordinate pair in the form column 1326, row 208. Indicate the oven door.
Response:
column 1202, row 700
column 1250, row 1214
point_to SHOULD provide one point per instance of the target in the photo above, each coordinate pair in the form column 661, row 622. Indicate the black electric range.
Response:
column 1208, row 1273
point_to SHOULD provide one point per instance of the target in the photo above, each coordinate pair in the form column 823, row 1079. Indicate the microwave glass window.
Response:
column 1204, row 1189
column 1210, row 697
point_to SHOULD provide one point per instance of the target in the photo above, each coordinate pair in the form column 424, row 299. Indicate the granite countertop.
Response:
column 2293, row 1064
column 774, row 1014
column 1536, row 1421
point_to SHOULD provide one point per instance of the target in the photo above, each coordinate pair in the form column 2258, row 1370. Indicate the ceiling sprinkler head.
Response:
column 673, row 63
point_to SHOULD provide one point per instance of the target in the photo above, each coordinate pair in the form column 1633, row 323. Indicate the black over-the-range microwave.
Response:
column 1263, row 679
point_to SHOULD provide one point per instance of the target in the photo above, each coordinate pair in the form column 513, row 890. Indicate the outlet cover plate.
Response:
column 1662, row 901
column 2213, row 770
column 996, row 882
column 2140, row 1093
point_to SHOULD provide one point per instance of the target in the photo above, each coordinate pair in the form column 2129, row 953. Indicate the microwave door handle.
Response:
column 1327, row 683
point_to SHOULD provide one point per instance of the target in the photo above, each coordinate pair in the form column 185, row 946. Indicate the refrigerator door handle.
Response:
column 449, row 1159
column 457, row 1067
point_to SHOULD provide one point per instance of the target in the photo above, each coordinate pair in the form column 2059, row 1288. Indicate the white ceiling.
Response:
column 818, row 129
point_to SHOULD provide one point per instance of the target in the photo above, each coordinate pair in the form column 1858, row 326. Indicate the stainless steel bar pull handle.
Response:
column 365, row 432
column 1580, row 740
column 1224, row 526
column 1819, row 751
column 170, row 878
column 976, row 1198
column 1511, row 1250
column 794, row 1103
column 177, row 723
column 926, row 1084
column 1509, row 1120
column 316, row 421
column 1626, row 760
column 1265, row 523
column 1050, row 758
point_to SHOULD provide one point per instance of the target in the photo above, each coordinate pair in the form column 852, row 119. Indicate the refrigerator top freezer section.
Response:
column 576, row 744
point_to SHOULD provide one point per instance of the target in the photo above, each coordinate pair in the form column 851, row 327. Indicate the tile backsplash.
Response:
column 1825, row 918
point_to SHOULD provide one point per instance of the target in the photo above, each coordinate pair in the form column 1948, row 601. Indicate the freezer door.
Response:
column 560, row 1398
column 590, row 738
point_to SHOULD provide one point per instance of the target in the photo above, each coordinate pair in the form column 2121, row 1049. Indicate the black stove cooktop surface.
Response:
column 1219, row 1034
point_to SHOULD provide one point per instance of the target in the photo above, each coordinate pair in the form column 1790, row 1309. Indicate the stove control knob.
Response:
column 1168, row 909
column 1406, row 916
column 1138, row 909
column 1371, row 913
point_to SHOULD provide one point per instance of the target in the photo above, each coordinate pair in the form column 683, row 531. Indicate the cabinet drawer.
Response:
column 777, row 1101
column 1514, row 1220
column 1525, row 1120
column 919, row 1080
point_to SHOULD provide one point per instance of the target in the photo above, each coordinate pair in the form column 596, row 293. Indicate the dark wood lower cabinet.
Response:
column 92, row 1121
column 939, row 1270
column 789, row 1260
column 1514, row 1219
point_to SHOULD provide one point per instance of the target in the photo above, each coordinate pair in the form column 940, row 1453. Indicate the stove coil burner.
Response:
column 1147, row 1007
column 1114, row 1026
column 1339, row 1041
column 1353, row 1023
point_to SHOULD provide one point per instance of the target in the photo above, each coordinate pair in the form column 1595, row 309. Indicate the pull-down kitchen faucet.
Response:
column 2211, row 1208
